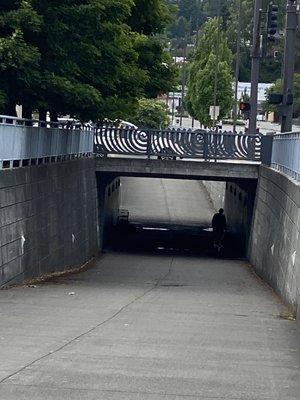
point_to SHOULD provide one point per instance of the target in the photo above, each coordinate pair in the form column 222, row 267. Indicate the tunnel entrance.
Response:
column 172, row 215
column 182, row 240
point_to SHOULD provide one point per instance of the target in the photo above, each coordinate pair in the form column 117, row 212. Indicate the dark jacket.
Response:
column 219, row 222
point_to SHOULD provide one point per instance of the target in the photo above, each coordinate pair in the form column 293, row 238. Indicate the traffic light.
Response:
column 275, row 98
column 272, row 22
column 245, row 107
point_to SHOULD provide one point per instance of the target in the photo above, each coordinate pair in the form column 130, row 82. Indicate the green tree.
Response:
column 200, row 87
column 88, row 58
column 270, row 68
column 87, row 52
column 151, row 114
column 19, row 59
column 158, row 65
column 180, row 28
column 191, row 11
column 149, row 17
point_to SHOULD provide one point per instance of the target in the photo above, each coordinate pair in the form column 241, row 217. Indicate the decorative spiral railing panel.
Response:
column 182, row 144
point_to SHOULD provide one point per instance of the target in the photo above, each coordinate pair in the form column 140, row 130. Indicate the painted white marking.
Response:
column 145, row 228
column 23, row 240
column 294, row 257
column 73, row 238
column 272, row 249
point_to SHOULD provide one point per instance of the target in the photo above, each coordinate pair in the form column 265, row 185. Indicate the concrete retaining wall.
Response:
column 48, row 219
column 108, row 205
column 239, row 204
column 216, row 191
column 275, row 242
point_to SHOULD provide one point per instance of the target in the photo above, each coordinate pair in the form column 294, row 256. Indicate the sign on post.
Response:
column 214, row 112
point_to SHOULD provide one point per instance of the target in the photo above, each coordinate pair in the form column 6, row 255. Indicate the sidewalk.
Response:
column 148, row 327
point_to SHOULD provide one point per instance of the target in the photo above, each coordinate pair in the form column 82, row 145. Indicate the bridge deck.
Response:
column 178, row 169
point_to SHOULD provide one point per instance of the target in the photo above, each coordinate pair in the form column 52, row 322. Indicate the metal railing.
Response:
column 30, row 142
column 286, row 154
column 184, row 144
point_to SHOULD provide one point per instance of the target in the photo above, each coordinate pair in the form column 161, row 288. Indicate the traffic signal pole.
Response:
column 289, row 66
column 255, row 66
column 217, row 64
column 237, row 65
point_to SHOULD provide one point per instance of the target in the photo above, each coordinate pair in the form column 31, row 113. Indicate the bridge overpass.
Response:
column 151, row 322
column 193, row 170
column 60, row 191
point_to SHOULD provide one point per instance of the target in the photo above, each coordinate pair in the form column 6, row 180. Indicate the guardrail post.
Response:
column 148, row 144
column 266, row 149
column 205, row 145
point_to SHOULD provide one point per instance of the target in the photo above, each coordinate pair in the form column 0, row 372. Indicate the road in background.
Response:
column 264, row 126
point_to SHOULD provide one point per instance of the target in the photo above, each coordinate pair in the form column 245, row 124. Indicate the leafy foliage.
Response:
column 151, row 114
column 158, row 65
column 86, row 53
column 202, row 73
column 88, row 58
column 192, row 15
column 270, row 67
column 19, row 59
column 149, row 17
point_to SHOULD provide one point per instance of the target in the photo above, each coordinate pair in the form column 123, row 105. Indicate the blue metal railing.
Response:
column 286, row 154
column 36, row 141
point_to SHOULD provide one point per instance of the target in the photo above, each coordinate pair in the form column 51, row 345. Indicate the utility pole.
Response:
column 217, row 62
column 255, row 66
column 237, row 65
column 289, row 66
column 173, row 98
column 183, row 82
column 184, row 71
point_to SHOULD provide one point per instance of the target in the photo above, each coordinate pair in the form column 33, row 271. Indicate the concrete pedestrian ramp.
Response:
column 148, row 327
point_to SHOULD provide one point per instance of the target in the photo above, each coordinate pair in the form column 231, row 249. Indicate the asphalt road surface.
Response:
column 149, row 326
column 264, row 126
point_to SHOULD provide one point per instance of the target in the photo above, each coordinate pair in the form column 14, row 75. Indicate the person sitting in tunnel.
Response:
column 219, row 226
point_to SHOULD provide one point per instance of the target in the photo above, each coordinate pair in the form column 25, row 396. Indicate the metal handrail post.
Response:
column 267, row 149
column 148, row 144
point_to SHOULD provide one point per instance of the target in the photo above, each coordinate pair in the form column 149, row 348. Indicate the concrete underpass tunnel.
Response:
column 173, row 215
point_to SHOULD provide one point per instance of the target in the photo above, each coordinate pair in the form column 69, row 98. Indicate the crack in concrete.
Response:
column 157, row 284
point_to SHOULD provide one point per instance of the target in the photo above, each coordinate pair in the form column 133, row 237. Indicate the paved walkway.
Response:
column 167, row 201
column 150, row 327
column 146, row 327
